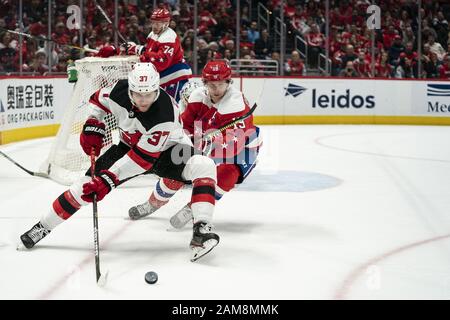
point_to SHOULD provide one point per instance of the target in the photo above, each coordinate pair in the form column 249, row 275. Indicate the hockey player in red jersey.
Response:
column 152, row 140
column 234, row 152
column 163, row 49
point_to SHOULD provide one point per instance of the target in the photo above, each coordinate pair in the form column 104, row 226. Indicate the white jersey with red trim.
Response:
column 165, row 52
column 146, row 133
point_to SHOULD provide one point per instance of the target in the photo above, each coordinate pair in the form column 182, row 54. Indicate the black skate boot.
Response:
column 203, row 240
column 34, row 235
column 141, row 210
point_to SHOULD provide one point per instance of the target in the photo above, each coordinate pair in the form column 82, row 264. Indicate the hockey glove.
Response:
column 107, row 51
column 92, row 136
column 131, row 48
column 100, row 186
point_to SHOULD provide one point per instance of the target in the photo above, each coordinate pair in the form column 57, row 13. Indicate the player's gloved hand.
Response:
column 107, row 51
column 92, row 136
column 131, row 48
column 100, row 186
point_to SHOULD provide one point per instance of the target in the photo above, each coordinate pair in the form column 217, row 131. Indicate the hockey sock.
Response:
column 164, row 190
column 203, row 200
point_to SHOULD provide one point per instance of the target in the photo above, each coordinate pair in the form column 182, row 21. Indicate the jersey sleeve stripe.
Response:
column 94, row 99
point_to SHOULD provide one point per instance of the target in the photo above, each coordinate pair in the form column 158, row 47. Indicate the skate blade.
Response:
column 198, row 252
column 172, row 229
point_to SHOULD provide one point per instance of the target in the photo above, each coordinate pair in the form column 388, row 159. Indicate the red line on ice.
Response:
column 350, row 280
column 88, row 259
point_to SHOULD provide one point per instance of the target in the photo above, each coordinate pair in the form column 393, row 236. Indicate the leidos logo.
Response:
column 294, row 90
column 346, row 100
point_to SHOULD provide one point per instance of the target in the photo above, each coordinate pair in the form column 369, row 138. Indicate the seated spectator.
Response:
column 264, row 45
column 362, row 65
column 227, row 55
column 436, row 47
column 395, row 50
column 405, row 69
column 229, row 45
column 349, row 71
column 7, row 60
column 389, row 37
column 298, row 21
column 349, row 55
column 245, row 42
column 440, row 24
column 409, row 52
column 253, row 33
column 39, row 63
column 276, row 58
column 383, row 69
column 444, row 69
column 431, row 66
column 7, row 41
column 295, row 66
column 61, row 65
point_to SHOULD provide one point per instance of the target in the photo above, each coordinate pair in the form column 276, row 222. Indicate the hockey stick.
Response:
column 109, row 21
column 101, row 279
column 49, row 40
column 33, row 173
column 229, row 125
column 207, row 138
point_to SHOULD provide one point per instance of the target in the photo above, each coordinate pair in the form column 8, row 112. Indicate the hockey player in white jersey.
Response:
column 152, row 140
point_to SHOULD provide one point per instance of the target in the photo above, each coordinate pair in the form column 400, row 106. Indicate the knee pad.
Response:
column 199, row 166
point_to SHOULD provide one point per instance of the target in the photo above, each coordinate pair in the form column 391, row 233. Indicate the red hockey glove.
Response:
column 92, row 136
column 100, row 186
column 107, row 51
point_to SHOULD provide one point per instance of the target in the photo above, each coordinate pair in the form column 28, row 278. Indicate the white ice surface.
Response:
column 331, row 212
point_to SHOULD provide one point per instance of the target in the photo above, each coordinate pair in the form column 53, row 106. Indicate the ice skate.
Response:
column 141, row 210
column 33, row 236
column 203, row 240
column 183, row 216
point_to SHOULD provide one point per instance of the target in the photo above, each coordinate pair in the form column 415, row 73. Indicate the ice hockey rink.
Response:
column 331, row 212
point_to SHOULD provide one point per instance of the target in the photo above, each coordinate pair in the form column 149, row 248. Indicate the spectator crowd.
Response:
column 396, row 53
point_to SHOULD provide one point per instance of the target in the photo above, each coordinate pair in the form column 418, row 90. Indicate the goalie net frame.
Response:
column 66, row 161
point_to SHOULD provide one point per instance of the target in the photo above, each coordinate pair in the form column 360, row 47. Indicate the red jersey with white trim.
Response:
column 202, row 115
column 166, row 53
column 146, row 133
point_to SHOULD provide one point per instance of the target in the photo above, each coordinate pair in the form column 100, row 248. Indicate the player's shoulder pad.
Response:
column 232, row 102
column 168, row 36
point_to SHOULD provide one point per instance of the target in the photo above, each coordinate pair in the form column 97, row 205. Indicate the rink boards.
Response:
column 32, row 107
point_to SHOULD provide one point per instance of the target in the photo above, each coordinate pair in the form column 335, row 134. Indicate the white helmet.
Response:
column 187, row 90
column 143, row 78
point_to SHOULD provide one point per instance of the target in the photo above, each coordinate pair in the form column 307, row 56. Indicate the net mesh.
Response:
column 67, row 161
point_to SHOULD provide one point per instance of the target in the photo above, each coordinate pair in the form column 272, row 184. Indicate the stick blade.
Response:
column 101, row 282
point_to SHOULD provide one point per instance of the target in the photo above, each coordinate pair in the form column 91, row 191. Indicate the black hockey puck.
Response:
column 151, row 277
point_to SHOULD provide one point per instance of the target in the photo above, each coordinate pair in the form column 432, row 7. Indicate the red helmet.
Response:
column 162, row 15
column 216, row 70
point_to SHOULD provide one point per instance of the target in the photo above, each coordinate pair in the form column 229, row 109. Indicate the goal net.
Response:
column 67, row 161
